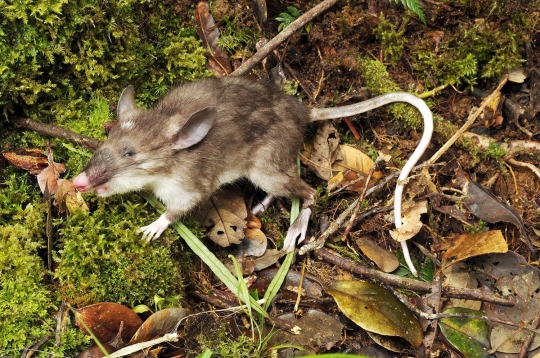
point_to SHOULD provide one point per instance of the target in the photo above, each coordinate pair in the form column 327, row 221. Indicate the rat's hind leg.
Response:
column 288, row 184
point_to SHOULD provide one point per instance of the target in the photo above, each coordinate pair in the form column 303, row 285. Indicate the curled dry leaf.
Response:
column 376, row 309
column 104, row 319
column 218, row 61
column 470, row 245
column 158, row 324
column 224, row 216
column 66, row 195
column 33, row 160
column 384, row 259
column 411, row 222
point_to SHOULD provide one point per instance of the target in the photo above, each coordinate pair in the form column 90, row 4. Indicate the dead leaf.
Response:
column 459, row 275
column 104, row 319
column 324, row 152
column 259, row 7
column 269, row 258
column 376, row 309
column 411, row 223
column 487, row 207
column 470, row 245
column 467, row 335
column 67, row 196
column 510, row 275
column 318, row 332
column 218, row 61
column 96, row 352
column 158, row 324
column 33, row 160
column 384, row 259
column 355, row 160
column 224, row 216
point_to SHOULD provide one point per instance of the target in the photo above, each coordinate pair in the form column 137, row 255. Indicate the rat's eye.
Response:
column 128, row 154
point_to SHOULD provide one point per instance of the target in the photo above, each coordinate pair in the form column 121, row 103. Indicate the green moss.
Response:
column 58, row 54
column 104, row 259
column 24, row 299
column 378, row 82
column 392, row 41
column 465, row 54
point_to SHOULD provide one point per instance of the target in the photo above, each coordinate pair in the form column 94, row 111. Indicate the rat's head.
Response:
column 141, row 146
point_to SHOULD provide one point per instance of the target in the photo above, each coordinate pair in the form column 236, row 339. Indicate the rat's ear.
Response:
column 195, row 129
column 126, row 103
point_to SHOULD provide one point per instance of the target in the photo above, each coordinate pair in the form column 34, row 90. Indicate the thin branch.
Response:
column 56, row 132
column 282, row 36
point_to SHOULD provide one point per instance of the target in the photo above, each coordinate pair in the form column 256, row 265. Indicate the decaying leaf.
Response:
column 224, row 216
column 96, row 352
column 104, row 319
column 67, row 195
column 269, row 258
column 384, row 259
column 158, row 324
column 376, row 309
column 511, row 275
column 318, row 332
column 218, row 61
column 467, row 335
column 411, row 223
column 33, row 160
column 487, row 207
column 324, row 152
column 470, row 245
column 459, row 275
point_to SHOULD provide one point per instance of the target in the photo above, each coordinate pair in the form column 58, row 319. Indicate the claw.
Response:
column 154, row 230
column 298, row 228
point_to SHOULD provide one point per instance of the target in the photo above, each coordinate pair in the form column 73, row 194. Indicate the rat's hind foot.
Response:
column 298, row 228
column 154, row 230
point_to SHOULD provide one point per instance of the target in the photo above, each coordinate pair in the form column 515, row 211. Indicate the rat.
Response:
column 208, row 133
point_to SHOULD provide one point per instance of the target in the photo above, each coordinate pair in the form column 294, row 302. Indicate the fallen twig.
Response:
column 282, row 36
column 56, row 132
column 467, row 124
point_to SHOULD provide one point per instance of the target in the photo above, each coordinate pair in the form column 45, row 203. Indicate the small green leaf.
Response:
column 141, row 309
column 468, row 335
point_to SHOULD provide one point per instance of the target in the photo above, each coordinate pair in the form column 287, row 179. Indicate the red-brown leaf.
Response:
column 104, row 319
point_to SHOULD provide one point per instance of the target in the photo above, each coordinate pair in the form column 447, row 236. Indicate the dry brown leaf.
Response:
column 158, row 324
column 218, row 61
column 411, row 223
column 224, row 216
column 104, row 319
column 33, row 160
column 470, row 245
column 384, row 259
column 355, row 160
column 459, row 275
column 324, row 152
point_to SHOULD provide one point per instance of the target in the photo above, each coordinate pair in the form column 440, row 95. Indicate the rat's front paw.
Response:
column 154, row 230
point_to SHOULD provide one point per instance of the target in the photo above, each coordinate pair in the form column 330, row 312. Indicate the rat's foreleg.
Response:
column 155, row 229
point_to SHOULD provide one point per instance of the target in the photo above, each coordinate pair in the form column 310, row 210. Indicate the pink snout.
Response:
column 81, row 182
